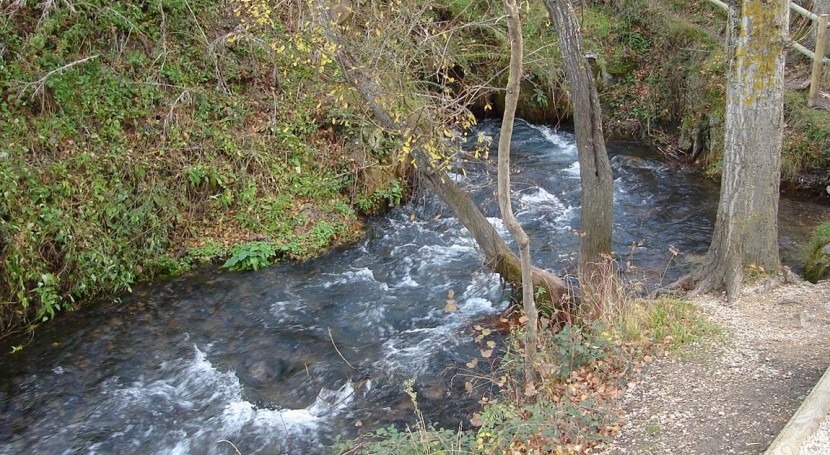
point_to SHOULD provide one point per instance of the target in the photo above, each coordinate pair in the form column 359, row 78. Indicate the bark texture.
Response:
column 746, row 227
column 514, row 79
column 497, row 254
column 594, row 166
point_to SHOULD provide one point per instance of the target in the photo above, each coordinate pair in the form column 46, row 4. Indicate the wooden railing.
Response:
column 821, row 46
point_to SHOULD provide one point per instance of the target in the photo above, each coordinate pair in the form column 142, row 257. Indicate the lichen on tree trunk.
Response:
column 746, row 227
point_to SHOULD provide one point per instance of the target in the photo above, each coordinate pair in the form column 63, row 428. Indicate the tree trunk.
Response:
column 497, row 254
column 594, row 166
column 746, row 227
column 514, row 79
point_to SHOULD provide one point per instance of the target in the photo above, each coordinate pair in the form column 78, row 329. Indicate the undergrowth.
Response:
column 818, row 261
column 140, row 138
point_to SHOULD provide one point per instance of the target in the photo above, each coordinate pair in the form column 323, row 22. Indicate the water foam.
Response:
column 411, row 350
column 564, row 141
column 539, row 197
column 207, row 406
column 572, row 170
column 351, row 276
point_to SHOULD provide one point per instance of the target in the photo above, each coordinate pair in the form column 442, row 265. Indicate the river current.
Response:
column 289, row 358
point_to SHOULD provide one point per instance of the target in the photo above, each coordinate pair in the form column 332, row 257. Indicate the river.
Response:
column 289, row 358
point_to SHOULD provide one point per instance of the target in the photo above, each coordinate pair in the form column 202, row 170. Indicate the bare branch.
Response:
column 38, row 84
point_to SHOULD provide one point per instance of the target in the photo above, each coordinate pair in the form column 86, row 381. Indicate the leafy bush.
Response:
column 818, row 263
column 250, row 256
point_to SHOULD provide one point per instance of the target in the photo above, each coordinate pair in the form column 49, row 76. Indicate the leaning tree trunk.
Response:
column 594, row 167
column 514, row 80
column 497, row 254
column 746, row 227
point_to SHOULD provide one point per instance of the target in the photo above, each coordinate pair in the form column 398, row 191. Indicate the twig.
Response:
column 42, row 80
column 234, row 447
column 338, row 351
column 183, row 97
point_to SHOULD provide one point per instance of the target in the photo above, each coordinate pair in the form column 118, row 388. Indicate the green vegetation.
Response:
column 818, row 261
column 807, row 139
column 139, row 138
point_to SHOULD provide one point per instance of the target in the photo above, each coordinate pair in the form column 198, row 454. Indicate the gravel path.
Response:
column 735, row 395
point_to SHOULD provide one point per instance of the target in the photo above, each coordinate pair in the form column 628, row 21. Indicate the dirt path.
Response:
column 732, row 397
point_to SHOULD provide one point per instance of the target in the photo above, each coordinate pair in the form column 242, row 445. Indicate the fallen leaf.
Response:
column 530, row 390
column 450, row 307
column 486, row 353
column 451, row 294
column 491, row 344
column 468, row 386
column 476, row 420
column 472, row 363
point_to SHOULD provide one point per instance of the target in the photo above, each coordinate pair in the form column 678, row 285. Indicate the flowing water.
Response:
column 285, row 360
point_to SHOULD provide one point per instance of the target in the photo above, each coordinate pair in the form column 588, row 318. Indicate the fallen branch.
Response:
column 39, row 83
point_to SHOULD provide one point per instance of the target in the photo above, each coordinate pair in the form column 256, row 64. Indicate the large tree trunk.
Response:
column 594, row 166
column 514, row 80
column 746, row 228
column 496, row 252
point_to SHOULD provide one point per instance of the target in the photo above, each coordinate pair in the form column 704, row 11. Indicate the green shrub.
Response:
column 818, row 262
column 250, row 256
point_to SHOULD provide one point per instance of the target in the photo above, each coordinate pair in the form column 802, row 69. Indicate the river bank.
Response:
column 731, row 394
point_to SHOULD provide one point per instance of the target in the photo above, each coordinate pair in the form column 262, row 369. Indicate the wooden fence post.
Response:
column 818, row 61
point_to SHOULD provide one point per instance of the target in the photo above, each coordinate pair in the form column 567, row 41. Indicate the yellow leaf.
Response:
column 486, row 353
column 450, row 307
column 491, row 344
column 472, row 363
